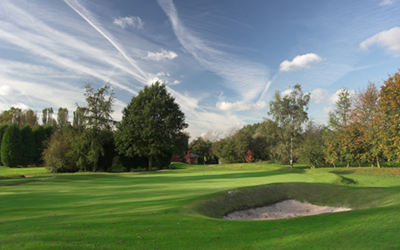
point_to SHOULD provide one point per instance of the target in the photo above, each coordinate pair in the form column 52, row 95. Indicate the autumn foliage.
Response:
column 249, row 156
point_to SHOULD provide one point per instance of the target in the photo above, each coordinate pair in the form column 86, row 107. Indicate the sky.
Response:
column 222, row 60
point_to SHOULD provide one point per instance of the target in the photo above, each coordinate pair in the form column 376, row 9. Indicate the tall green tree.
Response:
column 312, row 147
column 151, row 125
column 28, row 149
column 62, row 117
column 40, row 137
column 11, row 146
column 2, row 131
column 339, row 119
column 201, row 147
column 290, row 112
column 97, row 117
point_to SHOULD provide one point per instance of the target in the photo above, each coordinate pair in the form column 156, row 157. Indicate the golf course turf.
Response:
column 183, row 208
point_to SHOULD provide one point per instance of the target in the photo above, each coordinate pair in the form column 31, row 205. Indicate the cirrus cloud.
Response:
column 133, row 21
column 300, row 62
column 240, row 106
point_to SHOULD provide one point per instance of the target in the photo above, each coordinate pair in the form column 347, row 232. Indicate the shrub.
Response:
column 11, row 146
column 56, row 155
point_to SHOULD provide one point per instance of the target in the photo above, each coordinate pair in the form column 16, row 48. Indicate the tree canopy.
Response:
column 152, row 125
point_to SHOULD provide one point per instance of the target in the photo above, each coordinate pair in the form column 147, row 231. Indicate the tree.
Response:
column 62, row 117
column 151, row 125
column 338, row 121
column 389, row 118
column 2, row 130
column 363, row 116
column 28, row 149
column 56, row 155
column 97, row 117
column 78, row 117
column 11, row 146
column 249, row 156
column 312, row 147
column 290, row 112
column 40, row 136
column 201, row 147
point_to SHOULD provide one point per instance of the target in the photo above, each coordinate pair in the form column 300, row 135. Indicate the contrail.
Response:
column 143, row 77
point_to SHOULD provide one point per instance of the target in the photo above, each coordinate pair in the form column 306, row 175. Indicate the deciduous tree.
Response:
column 290, row 112
column 151, row 125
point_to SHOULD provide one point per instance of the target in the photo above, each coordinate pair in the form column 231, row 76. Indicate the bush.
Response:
column 28, row 150
column 11, row 146
column 56, row 155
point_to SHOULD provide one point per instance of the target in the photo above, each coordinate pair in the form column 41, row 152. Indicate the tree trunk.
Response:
column 334, row 165
column 377, row 162
column 150, row 163
column 348, row 164
column 291, row 151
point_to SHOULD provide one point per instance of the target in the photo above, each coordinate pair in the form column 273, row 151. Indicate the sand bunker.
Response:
column 284, row 209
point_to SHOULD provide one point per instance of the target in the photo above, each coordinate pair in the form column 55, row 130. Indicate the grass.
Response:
column 181, row 209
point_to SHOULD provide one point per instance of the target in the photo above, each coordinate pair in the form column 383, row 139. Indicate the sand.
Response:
column 284, row 209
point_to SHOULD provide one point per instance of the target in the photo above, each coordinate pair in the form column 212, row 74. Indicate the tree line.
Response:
column 148, row 135
column 362, row 128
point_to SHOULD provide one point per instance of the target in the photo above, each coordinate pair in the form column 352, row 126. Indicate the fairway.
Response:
column 182, row 209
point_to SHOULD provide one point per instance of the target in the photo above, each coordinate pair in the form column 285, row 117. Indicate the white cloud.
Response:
column 240, row 106
column 157, row 56
column 319, row 95
column 286, row 92
column 389, row 39
column 6, row 90
column 387, row 2
column 335, row 97
column 300, row 62
column 176, row 82
column 133, row 21
column 327, row 110
column 21, row 106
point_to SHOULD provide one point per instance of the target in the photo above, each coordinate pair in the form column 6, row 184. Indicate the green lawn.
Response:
column 181, row 209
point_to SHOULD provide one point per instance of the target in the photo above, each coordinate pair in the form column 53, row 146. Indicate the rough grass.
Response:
column 167, row 209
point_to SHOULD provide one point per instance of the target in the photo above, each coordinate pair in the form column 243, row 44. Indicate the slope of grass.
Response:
column 167, row 210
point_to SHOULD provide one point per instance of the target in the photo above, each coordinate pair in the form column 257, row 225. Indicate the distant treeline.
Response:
column 362, row 128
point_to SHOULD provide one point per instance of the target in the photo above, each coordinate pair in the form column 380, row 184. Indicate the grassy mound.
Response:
column 318, row 194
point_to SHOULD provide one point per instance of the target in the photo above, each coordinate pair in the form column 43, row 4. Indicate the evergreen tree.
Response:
column 151, row 125
column 28, row 151
column 2, row 130
column 11, row 146
column 40, row 136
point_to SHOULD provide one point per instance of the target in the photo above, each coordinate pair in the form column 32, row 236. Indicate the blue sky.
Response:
column 221, row 60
